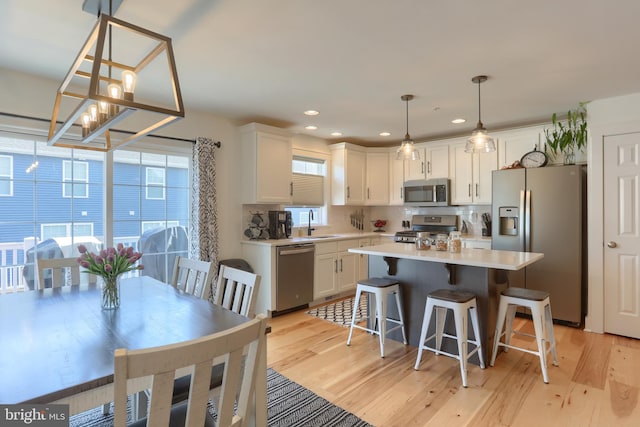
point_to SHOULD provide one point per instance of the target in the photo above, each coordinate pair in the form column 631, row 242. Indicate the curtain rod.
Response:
column 40, row 119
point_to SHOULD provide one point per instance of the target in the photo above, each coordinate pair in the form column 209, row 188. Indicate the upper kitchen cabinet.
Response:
column 348, row 170
column 266, row 172
column 513, row 144
column 396, row 179
column 433, row 163
column 377, row 177
column 471, row 176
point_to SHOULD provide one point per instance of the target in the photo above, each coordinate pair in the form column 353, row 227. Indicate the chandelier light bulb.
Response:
column 128, row 84
column 93, row 116
column 103, row 111
column 85, row 120
column 114, row 91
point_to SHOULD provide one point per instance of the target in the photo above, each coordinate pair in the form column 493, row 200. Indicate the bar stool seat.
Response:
column 380, row 288
column 463, row 304
column 540, row 305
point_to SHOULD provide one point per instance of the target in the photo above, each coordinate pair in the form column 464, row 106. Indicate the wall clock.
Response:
column 534, row 159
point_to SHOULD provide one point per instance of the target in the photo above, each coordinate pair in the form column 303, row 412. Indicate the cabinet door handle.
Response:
column 335, row 265
column 401, row 192
column 429, row 167
column 476, row 190
column 341, row 265
column 469, row 190
column 421, row 167
column 291, row 188
column 368, row 194
column 348, row 192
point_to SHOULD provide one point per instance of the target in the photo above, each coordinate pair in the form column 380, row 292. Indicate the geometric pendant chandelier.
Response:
column 112, row 80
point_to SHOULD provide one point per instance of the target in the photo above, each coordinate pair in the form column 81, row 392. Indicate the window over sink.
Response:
column 309, row 176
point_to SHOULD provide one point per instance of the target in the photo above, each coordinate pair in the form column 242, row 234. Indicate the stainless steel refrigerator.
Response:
column 543, row 210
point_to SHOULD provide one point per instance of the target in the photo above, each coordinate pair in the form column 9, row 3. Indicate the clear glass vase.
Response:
column 110, row 293
column 569, row 157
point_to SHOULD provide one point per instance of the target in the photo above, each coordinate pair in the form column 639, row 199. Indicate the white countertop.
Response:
column 316, row 239
column 504, row 260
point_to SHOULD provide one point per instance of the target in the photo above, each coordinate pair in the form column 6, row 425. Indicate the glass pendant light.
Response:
column 479, row 141
column 407, row 149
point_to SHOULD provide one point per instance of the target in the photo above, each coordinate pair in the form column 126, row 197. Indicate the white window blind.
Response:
column 308, row 190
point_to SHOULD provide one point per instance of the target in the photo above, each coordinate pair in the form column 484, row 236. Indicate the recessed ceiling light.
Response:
column 385, row 134
column 311, row 127
column 311, row 113
column 336, row 133
column 458, row 121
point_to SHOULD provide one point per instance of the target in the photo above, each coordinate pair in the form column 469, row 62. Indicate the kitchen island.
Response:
column 481, row 271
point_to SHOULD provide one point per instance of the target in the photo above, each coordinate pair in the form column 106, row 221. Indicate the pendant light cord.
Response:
column 407, row 115
column 479, row 116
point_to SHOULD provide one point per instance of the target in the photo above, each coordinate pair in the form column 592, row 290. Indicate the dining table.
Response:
column 58, row 344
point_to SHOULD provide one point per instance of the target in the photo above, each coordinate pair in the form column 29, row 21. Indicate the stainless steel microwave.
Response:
column 430, row 192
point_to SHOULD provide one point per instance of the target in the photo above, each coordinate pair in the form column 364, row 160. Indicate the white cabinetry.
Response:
column 336, row 269
column 266, row 170
column 433, row 163
column 396, row 180
column 513, row 144
column 471, row 176
column 377, row 178
column 348, row 166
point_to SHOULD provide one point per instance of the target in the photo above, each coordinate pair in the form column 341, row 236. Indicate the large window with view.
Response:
column 59, row 201
column 307, row 208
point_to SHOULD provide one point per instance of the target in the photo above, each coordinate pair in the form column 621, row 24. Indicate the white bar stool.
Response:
column 540, row 305
column 380, row 288
column 461, row 303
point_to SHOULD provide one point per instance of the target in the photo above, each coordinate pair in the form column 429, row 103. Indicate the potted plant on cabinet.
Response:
column 567, row 137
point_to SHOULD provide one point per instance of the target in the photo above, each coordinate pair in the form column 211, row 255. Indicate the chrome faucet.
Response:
column 309, row 229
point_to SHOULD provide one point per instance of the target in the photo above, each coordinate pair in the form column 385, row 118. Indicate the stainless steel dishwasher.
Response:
column 294, row 275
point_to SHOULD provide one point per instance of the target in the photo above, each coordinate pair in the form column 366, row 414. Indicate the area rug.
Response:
column 340, row 312
column 288, row 405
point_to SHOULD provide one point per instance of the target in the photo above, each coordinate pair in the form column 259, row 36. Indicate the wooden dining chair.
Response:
column 193, row 276
column 60, row 268
column 237, row 290
column 197, row 356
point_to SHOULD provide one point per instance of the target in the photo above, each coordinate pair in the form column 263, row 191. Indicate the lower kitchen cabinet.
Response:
column 336, row 269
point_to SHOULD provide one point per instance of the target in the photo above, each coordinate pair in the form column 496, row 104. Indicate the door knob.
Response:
column 612, row 244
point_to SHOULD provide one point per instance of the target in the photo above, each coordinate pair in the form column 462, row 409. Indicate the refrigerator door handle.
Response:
column 527, row 221
column 521, row 224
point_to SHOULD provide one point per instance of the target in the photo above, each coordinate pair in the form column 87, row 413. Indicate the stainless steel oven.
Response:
column 430, row 192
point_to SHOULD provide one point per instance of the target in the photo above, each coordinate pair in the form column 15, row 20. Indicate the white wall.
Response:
column 30, row 96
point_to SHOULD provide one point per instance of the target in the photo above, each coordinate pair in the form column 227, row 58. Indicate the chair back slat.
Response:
column 61, row 269
column 193, row 276
column 237, row 290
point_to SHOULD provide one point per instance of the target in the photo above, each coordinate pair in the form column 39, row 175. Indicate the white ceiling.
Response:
column 269, row 60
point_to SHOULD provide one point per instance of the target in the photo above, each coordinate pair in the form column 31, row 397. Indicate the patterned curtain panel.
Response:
column 204, row 208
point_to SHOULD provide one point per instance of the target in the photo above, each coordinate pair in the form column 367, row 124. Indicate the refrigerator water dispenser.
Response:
column 509, row 221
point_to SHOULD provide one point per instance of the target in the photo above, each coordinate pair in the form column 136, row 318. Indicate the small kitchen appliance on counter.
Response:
column 432, row 224
column 280, row 224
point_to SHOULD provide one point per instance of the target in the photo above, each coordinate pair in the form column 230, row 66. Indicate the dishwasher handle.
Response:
column 295, row 251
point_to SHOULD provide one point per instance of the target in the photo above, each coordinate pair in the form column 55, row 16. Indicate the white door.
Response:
column 622, row 234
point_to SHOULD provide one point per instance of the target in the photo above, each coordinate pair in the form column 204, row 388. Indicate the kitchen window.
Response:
column 75, row 179
column 309, row 175
column 6, row 176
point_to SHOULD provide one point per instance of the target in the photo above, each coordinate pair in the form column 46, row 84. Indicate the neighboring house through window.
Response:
column 155, row 183
column 75, row 179
column 6, row 176
column 48, row 231
column 150, row 225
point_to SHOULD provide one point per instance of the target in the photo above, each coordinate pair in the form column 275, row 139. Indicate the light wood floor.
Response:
column 596, row 384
